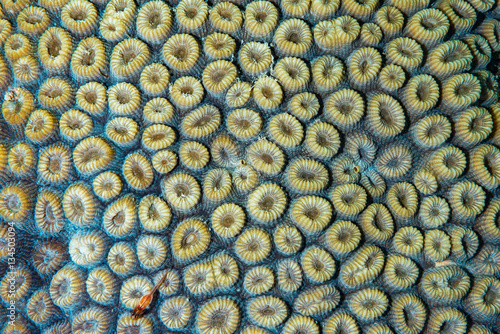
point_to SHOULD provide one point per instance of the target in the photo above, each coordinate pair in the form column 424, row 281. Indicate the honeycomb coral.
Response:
column 249, row 166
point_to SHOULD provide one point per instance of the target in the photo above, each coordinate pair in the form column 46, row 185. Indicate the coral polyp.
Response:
column 250, row 166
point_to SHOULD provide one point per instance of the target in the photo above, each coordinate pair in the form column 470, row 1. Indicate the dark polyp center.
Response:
column 463, row 89
column 322, row 139
column 218, row 182
column 401, row 271
column 121, row 130
column 119, row 218
column 253, row 245
column 293, row 72
column 435, row 212
column 345, row 108
column 129, row 56
column 16, row 45
column 266, row 203
column 218, row 75
column 491, row 296
column 155, row 78
column 111, row 27
column 100, row 287
column 189, row 239
column 13, row 203
column 364, row 66
column 34, row 19
column 468, row 200
column 244, row 123
column 307, row 175
column 430, row 23
column 154, row 19
column 453, row 55
column 78, row 15
column 370, row 260
column 328, row 70
column 54, row 92
column 180, row 52
column 181, row 190
column 194, row 155
column 55, row 164
column 49, row 213
column 267, row 158
column 408, row 241
column 191, row 12
column 40, row 306
column 410, row 317
column 318, row 265
column 75, row 124
column 123, row 97
column 348, row 199
column 64, row 287
column 391, row 17
column 226, row 14
column 294, row 37
column 120, row 259
column 312, row 213
column 268, row 311
column 88, row 58
column 227, row 221
column 202, row 121
column 394, row 163
column 461, row 12
column 423, row 91
column 405, row 51
column 108, row 185
column 403, row 199
column 153, row 212
column 286, row 128
column 121, row 5
column 344, row 235
column 91, row 97
column 385, row 115
column 218, row 45
column 158, row 136
column 370, row 303
column 218, row 320
column 38, row 124
column 187, row 90
column 451, row 161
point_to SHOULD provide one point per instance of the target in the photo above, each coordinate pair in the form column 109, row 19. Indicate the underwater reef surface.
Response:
column 295, row 166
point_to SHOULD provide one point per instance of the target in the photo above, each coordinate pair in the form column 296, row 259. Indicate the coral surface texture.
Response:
column 249, row 166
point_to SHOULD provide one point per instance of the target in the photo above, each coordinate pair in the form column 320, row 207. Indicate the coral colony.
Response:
column 249, row 167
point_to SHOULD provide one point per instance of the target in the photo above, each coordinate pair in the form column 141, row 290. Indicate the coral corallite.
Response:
column 250, row 166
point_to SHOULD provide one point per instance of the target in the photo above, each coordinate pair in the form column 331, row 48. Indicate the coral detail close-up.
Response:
column 250, row 166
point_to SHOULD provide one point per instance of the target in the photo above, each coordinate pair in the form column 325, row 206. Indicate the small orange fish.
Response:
column 147, row 298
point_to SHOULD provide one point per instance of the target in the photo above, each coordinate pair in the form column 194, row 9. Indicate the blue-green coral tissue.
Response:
column 249, row 167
